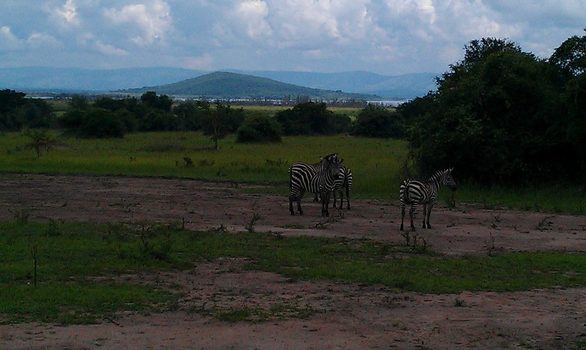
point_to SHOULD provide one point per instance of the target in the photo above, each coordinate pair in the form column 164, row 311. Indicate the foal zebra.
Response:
column 414, row 192
column 316, row 178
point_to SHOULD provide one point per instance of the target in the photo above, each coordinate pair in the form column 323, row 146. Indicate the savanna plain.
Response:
column 156, row 241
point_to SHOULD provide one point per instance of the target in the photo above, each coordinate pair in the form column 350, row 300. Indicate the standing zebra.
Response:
column 317, row 179
column 342, row 183
column 415, row 192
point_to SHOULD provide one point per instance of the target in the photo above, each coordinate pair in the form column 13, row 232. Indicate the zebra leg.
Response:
column 424, row 214
column 402, row 215
column 334, row 205
column 316, row 198
column 411, row 215
column 430, row 205
column 291, row 205
column 348, row 197
column 325, row 201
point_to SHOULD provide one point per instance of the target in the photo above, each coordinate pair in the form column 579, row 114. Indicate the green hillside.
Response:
column 234, row 85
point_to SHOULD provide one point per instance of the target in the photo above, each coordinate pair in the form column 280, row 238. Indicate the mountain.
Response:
column 398, row 86
column 101, row 80
column 235, row 85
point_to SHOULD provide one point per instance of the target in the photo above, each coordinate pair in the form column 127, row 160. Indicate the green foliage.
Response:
column 17, row 112
column 259, row 128
column 499, row 117
column 191, row 114
column 40, row 140
column 311, row 118
column 378, row 121
column 222, row 121
column 571, row 55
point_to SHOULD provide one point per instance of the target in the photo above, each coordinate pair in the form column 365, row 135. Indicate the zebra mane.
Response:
column 439, row 175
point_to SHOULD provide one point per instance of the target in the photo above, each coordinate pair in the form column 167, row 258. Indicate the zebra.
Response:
column 414, row 192
column 342, row 183
column 308, row 177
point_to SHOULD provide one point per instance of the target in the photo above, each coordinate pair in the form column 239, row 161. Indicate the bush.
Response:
column 378, row 121
column 259, row 128
column 501, row 116
column 312, row 118
column 94, row 122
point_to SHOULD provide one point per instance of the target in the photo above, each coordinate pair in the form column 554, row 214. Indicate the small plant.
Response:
column 545, row 224
column 250, row 225
column 21, row 216
column 491, row 246
column 39, row 140
column 187, row 162
column 53, row 228
column 459, row 303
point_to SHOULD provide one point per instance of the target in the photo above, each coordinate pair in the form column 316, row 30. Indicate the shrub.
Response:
column 259, row 128
column 378, row 121
column 311, row 118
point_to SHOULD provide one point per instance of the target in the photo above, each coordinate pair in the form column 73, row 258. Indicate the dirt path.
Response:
column 340, row 315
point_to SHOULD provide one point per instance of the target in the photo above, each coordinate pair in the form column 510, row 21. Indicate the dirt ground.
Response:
column 343, row 316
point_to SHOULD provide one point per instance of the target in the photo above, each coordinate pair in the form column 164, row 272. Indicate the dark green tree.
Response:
column 378, row 121
column 259, row 128
column 497, row 117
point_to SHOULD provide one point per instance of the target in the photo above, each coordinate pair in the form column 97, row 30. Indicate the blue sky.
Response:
column 382, row 36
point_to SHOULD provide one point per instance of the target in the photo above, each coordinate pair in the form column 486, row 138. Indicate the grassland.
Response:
column 70, row 257
column 377, row 164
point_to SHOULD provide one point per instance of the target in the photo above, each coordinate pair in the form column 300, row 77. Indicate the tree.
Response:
column 497, row 117
column 259, row 128
column 39, row 140
column 222, row 121
column 378, row 121
column 570, row 56
column 311, row 118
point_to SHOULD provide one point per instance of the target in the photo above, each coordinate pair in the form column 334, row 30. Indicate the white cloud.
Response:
column 67, row 14
column 8, row 40
column 200, row 62
column 37, row 40
column 149, row 22
column 252, row 15
column 109, row 50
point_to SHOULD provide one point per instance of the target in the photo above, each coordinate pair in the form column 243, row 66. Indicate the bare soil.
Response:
column 299, row 314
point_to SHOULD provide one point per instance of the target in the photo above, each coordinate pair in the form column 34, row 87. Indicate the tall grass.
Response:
column 376, row 163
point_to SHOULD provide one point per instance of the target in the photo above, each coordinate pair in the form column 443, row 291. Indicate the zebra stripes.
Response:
column 313, row 178
column 414, row 193
column 343, row 184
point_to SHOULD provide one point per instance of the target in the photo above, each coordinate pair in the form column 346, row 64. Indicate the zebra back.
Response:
column 314, row 177
column 416, row 191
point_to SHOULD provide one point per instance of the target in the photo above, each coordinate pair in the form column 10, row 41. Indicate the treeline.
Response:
column 109, row 117
column 505, row 116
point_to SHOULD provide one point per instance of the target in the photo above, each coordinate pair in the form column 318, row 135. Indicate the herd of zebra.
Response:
column 330, row 177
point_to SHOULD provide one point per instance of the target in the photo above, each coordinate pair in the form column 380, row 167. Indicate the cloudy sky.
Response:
column 382, row 36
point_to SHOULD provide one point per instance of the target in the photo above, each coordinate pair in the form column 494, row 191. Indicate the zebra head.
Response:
column 332, row 158
column 331, row 165
column 448, row 180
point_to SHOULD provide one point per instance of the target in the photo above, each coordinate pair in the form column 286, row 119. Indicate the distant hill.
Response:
column 398, row 86
column 101, row 80
column 235, row 85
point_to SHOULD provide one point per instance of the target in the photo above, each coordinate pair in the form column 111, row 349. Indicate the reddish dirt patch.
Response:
column 341, row 315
